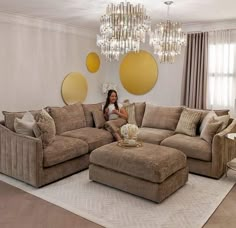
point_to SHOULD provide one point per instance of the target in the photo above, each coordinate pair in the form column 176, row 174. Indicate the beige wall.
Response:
column 35, row 57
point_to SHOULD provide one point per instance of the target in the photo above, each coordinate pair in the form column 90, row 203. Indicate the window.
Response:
column 221, row 73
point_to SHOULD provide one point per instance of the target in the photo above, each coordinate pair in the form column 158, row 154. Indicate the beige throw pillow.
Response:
column 224, row 119
column 47, row 127
column 26, row 125
column 98, row 118
column 207, row 118
column 188, row 122
column 130, row 109
column 139, row 112
column 210, row 130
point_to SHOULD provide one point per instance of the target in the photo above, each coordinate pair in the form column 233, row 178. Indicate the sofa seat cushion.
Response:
column 193, row 147
column 63, row 149
column 153, row 135
column 94, row 137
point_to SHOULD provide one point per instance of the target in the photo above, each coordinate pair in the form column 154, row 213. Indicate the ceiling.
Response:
column 86, row 13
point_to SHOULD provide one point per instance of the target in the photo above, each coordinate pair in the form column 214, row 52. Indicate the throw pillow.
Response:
column 207, row 118
column 47, row 127
column 130, row 109
column 224, row 119
column 188, row 122
column 26, row 125
column 210, row 130
column 98, row 118
column 139, row 112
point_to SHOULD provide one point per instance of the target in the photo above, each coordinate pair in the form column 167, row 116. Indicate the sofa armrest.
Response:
column 220, row 150
column 21, row 156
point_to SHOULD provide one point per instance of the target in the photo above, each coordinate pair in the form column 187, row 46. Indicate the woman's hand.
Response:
column 115, row 111
column 106, row 110
column 106, row 114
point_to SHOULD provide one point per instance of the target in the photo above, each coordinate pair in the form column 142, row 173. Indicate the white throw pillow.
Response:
column 26, row 125
column 210, row 115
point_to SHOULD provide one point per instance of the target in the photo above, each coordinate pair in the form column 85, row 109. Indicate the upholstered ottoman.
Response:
column 153, row 172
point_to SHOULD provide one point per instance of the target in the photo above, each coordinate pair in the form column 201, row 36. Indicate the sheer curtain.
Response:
column 221, row 70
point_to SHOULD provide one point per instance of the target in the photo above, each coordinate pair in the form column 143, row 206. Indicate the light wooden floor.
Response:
column 20, row 209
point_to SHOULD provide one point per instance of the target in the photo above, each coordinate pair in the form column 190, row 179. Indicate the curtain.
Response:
column 221, row 75
column 194, row 88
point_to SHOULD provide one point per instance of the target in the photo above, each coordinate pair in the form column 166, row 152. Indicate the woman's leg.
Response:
column 117, row 136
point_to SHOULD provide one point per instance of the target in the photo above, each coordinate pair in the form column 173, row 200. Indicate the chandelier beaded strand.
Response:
column 123, row 28
column 167, row 39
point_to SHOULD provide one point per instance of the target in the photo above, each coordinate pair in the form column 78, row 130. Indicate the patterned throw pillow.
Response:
column 98, row 118
column 47, row 127
column 188, row 122
column 130, row 109
column 210, row 130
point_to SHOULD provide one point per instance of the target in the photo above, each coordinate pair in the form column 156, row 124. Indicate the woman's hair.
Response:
column 108, row 100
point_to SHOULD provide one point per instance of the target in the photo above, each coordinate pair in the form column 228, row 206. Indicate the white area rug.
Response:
column 190, row 206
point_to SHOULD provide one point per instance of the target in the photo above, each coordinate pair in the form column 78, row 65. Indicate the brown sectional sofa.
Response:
column 25, row 158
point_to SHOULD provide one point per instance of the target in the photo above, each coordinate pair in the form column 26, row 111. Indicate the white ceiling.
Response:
column 86, row 13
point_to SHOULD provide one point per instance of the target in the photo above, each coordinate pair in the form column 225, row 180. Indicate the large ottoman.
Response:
column 153, row 172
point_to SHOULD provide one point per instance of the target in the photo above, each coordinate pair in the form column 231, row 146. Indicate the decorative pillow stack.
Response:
column 213, row 124
column 210, row 130
column 26, row 125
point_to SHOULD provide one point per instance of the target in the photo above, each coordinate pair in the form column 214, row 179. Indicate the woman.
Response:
column 114, row 113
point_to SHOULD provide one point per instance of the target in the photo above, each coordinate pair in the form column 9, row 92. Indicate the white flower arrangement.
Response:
column 129, row 133
column 107, row 86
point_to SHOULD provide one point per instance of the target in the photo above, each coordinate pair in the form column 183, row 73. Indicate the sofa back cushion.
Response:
column 9, row 117
column 139, row 112
column 161, row 117
column 68, row 118
column 88, row 109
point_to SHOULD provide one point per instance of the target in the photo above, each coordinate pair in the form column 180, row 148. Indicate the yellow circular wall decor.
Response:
column 74, row 88
column 138, row 72
column 92, row 62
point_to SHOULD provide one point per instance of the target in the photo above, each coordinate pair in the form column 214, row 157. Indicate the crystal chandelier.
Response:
column 167, row 39
column 122, row 29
